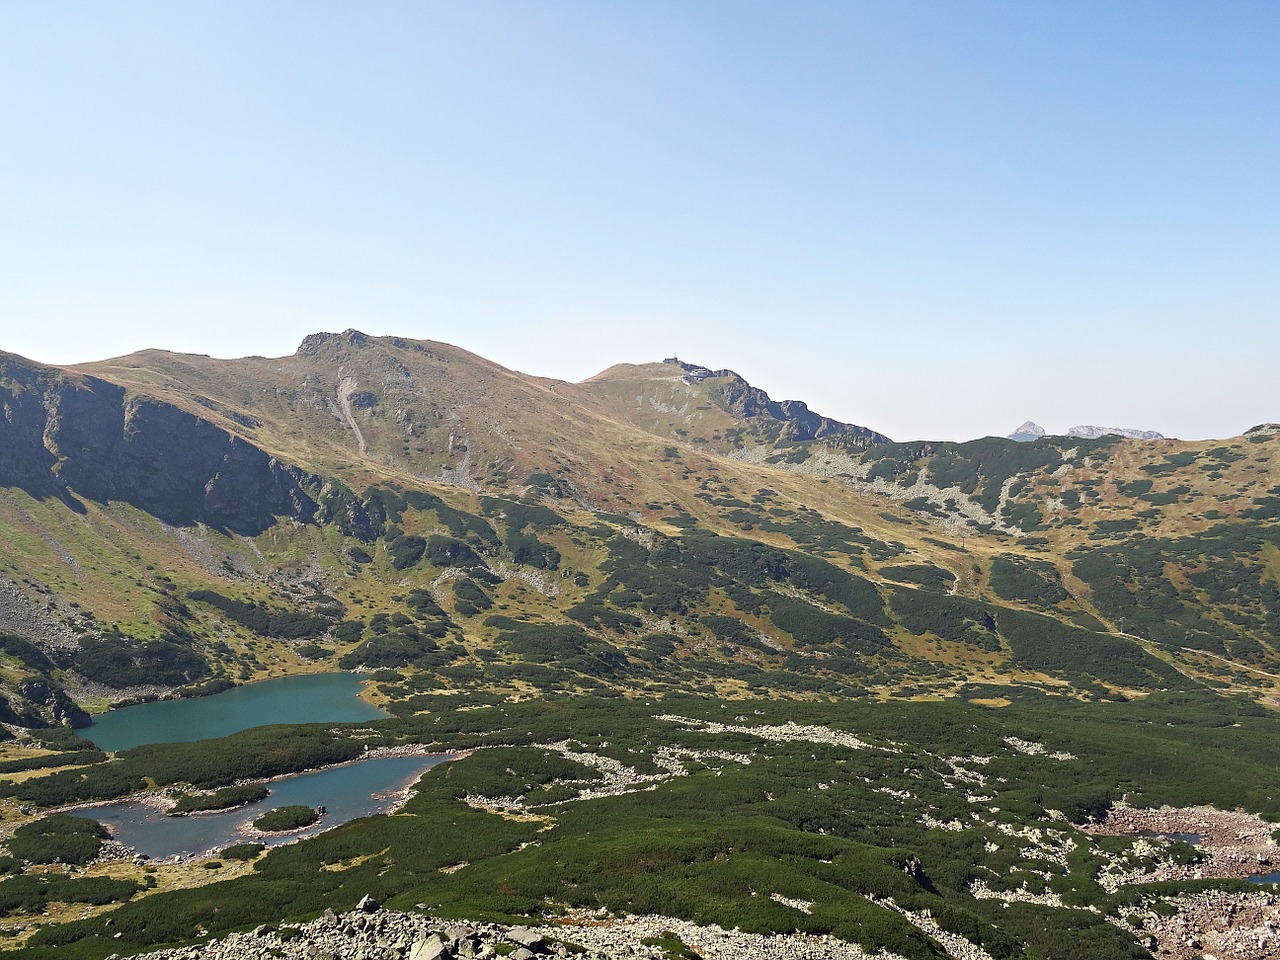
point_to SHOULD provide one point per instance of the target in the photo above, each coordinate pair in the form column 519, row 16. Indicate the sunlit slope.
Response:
column 718, row 411
column 464, row 524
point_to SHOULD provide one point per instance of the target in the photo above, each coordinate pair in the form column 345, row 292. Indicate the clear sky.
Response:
column 936, row 219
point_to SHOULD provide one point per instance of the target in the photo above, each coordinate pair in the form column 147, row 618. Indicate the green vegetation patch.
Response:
column 242, row 851
column 922, row 574
column 949, row 618
column 60, row 838
column 283, row 819
column 1042, row 643
column 806, row 818
column 1027, row 581
column 52, row 760
column 224, row 799
column 32, row 893
column 267, row 621
column 406, row 550
column 119, row 660
column 256, row 754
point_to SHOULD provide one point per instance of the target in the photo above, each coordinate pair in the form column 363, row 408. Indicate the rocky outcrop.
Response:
column 317, row 344
column 82, row 437
column 793, row 419
column 377, row 934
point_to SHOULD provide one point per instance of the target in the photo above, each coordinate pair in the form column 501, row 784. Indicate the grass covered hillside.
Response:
column 573, row 550
column 903, row 676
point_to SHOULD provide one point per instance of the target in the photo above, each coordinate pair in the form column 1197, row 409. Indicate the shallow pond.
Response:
column 357, row 789
column 1194, row 839
column 313, row 698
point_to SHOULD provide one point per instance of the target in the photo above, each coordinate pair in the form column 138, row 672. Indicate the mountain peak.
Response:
column 1027, row 432
column 1090, row 432
column 686, row 401
column 1031, row 431
column 696, row 371
column 313, row 343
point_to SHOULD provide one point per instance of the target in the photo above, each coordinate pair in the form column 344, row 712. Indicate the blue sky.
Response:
column 936, row 219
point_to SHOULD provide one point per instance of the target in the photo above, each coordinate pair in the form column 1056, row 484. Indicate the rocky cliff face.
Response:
column 795, row 421
column 69, row 437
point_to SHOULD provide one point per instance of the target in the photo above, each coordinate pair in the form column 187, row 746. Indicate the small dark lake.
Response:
column 358, row 789
column 1194, row 839
column 314, row 698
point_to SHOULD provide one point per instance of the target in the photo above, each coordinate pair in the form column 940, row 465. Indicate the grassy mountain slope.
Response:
column 717, row 410
column 579, row 581
column 511, row 508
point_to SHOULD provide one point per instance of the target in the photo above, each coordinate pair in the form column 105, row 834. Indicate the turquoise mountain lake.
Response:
column 314, row 698
column 358, row 789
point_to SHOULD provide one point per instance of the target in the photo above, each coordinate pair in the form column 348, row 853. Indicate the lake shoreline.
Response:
column 326, row 697
column 160, row 801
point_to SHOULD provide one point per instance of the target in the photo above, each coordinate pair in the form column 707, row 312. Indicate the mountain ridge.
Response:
column 324, row 439
column 526, row 568
column 1031, row 431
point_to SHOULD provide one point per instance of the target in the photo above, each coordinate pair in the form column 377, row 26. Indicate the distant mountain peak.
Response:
column 1027, row 432
column 1090, row 432
column 1031, row 431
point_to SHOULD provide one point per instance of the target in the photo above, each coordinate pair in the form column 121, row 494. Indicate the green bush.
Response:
column 32, row 893
column 924, row 574
column 470, row 598
column 1029, row 581
column 448, row 552
column 810, row 625
column 406, row 550
column 222, row 799
column 264, row 621
column 242, row 851
column 118, row 660
column 58, row 838
column 282, row 819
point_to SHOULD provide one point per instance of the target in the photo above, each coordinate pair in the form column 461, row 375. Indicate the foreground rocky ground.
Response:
column 1212, row 923
column 371, row 933
column 1233, row 844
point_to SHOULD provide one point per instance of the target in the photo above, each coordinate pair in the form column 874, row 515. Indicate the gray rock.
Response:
column 430, row 949
column 526, row 938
